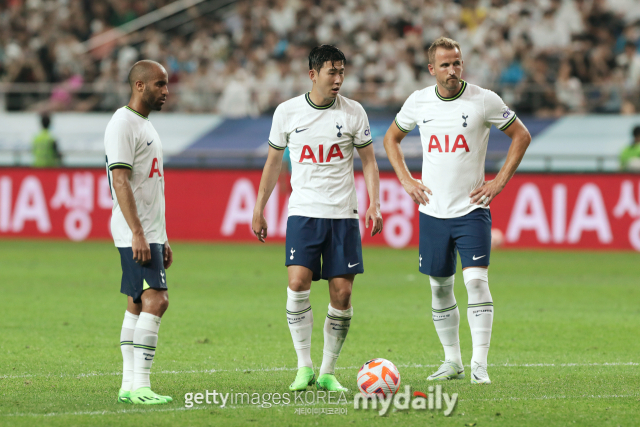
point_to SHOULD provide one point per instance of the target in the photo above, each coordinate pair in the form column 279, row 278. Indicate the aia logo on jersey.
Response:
column 307, row 153
column 460, row 143
column 155, row 168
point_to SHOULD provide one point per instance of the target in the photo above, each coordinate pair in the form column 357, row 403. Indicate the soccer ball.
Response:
column 378, row 377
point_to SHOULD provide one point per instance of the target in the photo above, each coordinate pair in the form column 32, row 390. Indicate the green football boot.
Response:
column 124, row 396
column 330, row 383
column 305, row 377
column 144, row 396
column 167, row 398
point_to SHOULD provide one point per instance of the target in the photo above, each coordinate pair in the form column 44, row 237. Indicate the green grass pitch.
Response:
column 564, row 350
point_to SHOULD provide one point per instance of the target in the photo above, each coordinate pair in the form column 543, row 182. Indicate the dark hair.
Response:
column 636, row 132
column 321, row 54
column 45, row 120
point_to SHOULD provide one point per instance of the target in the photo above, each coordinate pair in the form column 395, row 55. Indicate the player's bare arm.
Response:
column 168, row 255
column 520, row 139
column 372, row 179
column 270, row 175
column 124, row 193
column 414, row 187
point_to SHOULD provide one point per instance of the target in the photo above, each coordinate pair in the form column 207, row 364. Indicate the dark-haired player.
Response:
column 136, row 177
column 454, row 118
column 321, row 129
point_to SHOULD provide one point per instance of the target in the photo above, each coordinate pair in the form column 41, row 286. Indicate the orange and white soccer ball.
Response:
column 378, row 377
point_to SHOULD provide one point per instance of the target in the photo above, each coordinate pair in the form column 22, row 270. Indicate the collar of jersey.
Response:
column 453, row 98
column 317, row 107
column 135, row 112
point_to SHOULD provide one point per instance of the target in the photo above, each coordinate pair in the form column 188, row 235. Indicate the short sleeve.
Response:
column 278, row 137
column 362, row 131
column 406, row 118
column 119, row 143
column 496, row 112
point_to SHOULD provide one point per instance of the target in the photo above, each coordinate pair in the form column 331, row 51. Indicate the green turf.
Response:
column 226, row 329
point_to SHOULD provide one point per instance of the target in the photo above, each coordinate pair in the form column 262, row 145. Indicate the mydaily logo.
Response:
column 432, row 400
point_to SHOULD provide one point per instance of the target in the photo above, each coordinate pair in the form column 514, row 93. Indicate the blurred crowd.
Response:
column 545, row 57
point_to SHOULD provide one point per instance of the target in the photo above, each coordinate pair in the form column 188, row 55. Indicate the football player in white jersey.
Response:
column 454, row 118
column 322, row 130
column 136, row 177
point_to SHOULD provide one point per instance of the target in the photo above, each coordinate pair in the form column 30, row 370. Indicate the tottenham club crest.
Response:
column 339, row 127
column 464, row 125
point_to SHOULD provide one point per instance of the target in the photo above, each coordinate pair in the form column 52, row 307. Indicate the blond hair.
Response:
column 443, row 42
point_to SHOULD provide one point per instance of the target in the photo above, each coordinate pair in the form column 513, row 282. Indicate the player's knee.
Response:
column 298, row 285
column 161, row 303
column 164, row 302
column 475, row 277
column 342, row 296
column 477, row 282
column 441, row 287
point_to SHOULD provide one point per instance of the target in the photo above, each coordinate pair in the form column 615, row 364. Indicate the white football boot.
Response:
column 447, row 371
column 479, row 374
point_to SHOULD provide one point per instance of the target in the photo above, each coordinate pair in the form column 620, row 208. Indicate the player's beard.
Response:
column 151, row 101
column 450, row 84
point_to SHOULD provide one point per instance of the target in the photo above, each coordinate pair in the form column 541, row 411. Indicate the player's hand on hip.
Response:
column 168, row 255
column 484, row 195
column 140, row 248
column 259, row 226
column 417, row 190
column 373, row 214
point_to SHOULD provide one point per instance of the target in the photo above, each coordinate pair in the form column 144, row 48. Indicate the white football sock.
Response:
column 479, row 311
column 126, row 346
column 336, row 327
column 145, row 339
column 446, row 317
column 300, row 319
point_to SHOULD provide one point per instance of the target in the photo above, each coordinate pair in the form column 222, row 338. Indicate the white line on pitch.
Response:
column 181, row 408
column 413, row 365
column 121, row 411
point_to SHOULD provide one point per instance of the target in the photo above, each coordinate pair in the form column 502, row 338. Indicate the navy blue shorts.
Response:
column 336, row 241
column 440, row 238
column 137, row 278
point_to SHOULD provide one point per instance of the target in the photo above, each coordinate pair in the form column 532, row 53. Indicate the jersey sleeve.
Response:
column 406, row 118
column 120, row 146
column 362, row 130
column 496, row 112
column 278, row 137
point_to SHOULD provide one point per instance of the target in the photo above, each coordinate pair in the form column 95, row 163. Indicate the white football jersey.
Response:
column 321, row 141
column 454, row 133
column 130, row 141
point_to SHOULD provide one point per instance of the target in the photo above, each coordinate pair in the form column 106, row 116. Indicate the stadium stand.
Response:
column 546, row 57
